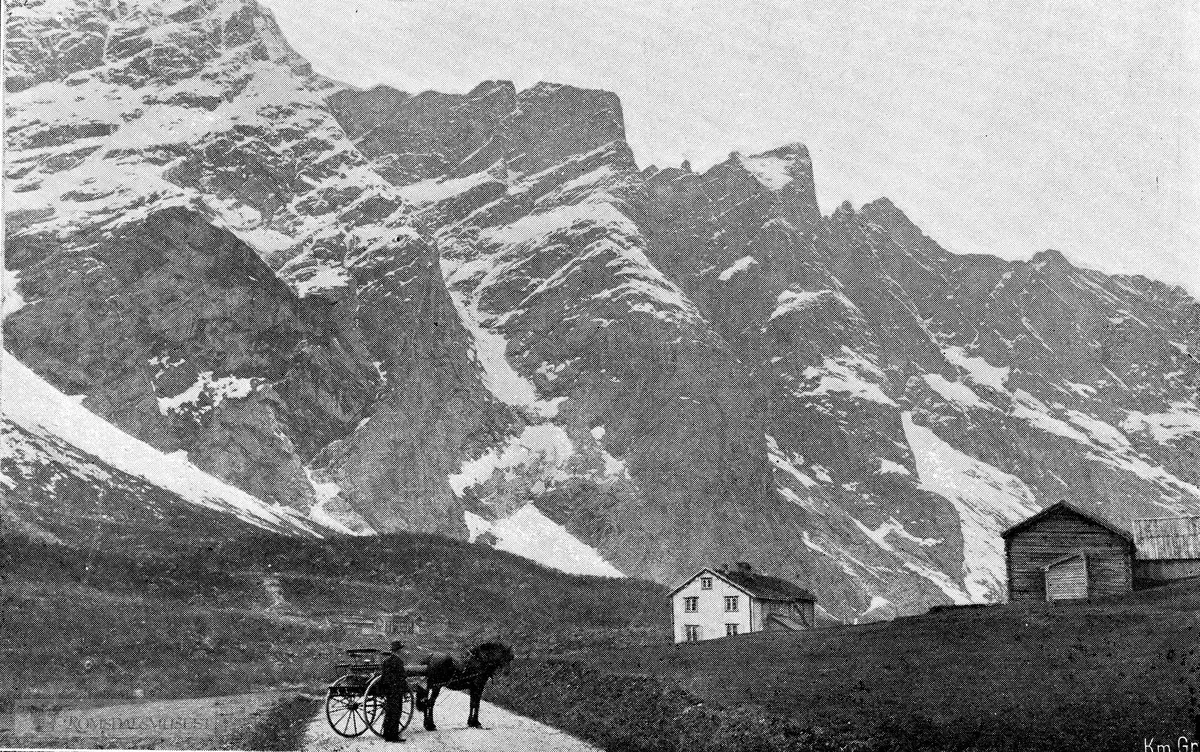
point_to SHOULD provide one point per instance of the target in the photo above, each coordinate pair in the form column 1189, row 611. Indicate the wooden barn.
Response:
column 1168, row 548
column 1064, row 552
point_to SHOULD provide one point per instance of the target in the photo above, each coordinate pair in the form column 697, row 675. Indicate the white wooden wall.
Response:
column 711, row 616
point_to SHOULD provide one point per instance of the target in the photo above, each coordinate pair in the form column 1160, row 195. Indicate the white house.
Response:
column 723, row 602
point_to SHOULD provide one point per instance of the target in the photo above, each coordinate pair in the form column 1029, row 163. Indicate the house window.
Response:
column 730, row 630
column 706, row 583
column 691, row 632
column 691, row 604
column 731, row 603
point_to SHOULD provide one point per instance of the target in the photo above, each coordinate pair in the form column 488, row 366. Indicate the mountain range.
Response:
column 344, row 310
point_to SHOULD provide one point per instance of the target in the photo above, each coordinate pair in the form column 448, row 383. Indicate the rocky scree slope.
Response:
column 473, row 314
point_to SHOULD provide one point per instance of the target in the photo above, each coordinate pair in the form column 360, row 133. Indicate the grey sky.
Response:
column 999, row 127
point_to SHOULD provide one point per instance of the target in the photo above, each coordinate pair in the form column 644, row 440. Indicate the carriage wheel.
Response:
column 373, row 703
column 345, row 712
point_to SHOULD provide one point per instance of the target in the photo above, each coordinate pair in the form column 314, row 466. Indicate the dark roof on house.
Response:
column 1061, row 506
column 766, row 587
column 1167, row 538
column 758, row 585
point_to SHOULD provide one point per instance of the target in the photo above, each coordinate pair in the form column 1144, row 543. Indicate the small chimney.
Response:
column 744, row 567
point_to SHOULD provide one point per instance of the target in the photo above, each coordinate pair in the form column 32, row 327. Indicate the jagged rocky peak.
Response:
column 50, row 40
column 414, row 137
column 471, row 314
column 786, row 171
column 845, row 211
column 427, row 136
column 1051, row 258
column 557, row 121
column 888, row 216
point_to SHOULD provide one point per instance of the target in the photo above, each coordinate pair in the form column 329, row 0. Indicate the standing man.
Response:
column 394, row 684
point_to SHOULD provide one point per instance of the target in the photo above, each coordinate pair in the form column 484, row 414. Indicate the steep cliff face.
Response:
column 212, row 262
column 180, row 334
column 473, row 314
column 913, row 378
column 67, row 475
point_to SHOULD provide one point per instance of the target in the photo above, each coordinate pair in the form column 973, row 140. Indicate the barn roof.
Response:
column 1167, row 538
column 1063, row 505
column 758, row 585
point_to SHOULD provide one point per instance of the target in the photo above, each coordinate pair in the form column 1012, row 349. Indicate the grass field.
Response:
column 181, row 619
column 178, row 621
column 1103, row 675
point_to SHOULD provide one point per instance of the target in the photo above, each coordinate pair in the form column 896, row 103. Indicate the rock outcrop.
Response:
column 435, row 311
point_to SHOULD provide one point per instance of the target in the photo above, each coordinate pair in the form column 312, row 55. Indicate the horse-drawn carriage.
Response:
column 353, row 702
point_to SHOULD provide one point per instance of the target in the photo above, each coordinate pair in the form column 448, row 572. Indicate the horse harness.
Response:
column 431, row 685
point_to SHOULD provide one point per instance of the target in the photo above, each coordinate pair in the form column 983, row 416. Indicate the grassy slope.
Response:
column 1099, row 675
column 178, row 618
column 187, row 618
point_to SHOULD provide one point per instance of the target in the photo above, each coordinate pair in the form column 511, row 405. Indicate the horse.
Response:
column 470, row 672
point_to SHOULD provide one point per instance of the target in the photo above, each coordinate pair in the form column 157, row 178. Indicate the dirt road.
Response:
column 503, row 731
column 201, row 723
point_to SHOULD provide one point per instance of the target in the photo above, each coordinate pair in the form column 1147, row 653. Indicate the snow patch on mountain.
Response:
column 956, row 392
column 944, row 582
column 987, row 500
column 794, row 300
column 319, row 278
column 329, row 510
column 10, row 300
column 808, row 541
column 531, row 534
column 545, row 448
column 879, row 609
column 440, row 189
column 781, row 460
column 980, row 371
column 772, row 172
column 1083, row 390
column 887, row 466
column 849, row 374
column 226, row 387
column 1100, row 431
column 501, row 379
column 1106, row 444
column 1029, row 408
column 1156, row 474
column 1183, row 419
column 538, row 227
column 741, row 265
column 893, row 527
column 586, row 181
column 33, row 404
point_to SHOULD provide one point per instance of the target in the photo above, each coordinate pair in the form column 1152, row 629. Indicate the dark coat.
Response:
column 394, row 679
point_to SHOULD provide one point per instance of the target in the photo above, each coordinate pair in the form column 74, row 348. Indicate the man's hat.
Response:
column 397, row 646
